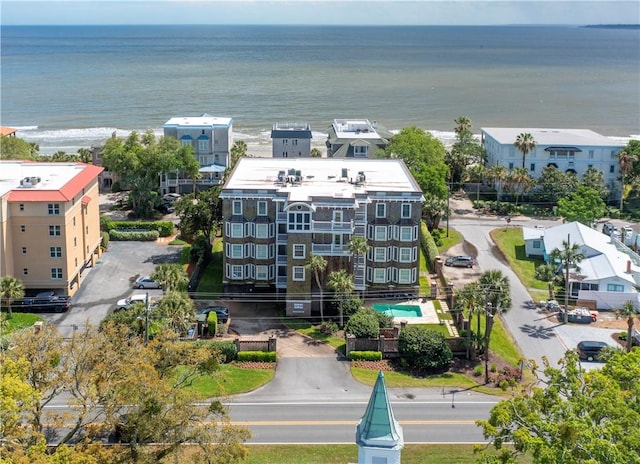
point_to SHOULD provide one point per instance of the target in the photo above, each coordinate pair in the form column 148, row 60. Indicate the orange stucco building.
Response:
column 49, row 223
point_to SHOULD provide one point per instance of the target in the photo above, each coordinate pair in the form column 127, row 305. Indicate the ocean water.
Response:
column 66, row 87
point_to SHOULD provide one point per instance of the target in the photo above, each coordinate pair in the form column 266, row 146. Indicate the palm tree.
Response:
column 547, row 273
column 317, row 264
column 570, row 255
column 471, row 298
column 497, row 174
column 357, row 247
column 463, row 124
column 178, row 309
column 525, row 143
column 171, row 276
column 628, row 311
column 497, row 289
column 520, row 182
column 341, row 283
column 625, row 161
column 10, row 288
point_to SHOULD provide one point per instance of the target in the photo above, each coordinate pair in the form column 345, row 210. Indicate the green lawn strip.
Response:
column 425, row 284
column 177, row 241
column 19, row 321
column 435, row 327
column 305, row 327
column 211, row 281
column 314, row 454
column 501, row 343
column 511, row 243
column 395, row 379
column 230, row 380
column 454, row 238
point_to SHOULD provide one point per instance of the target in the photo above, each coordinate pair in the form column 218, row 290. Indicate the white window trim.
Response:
column 409, row 236
column 402, row 207
column 408, row 252
column 261, row 255
column 236, row 207
column 377, row 272
column 406, row 280
column 296, row 251
column 295, row 270
column 380, row 237
column 384, row 210
column 261, row 205
column 264, row 270
column 380, row 254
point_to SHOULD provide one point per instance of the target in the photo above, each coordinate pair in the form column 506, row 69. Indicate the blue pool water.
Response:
column 398, row 310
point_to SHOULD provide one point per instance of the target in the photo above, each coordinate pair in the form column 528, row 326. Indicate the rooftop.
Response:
column 580, row 137
column 350, row 128
column 205, row 120
column 334, row 177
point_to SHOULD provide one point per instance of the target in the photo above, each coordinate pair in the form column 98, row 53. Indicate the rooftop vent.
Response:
column 29, row 182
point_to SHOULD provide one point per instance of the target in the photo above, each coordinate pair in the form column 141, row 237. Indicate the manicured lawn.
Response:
column 230, row 380
column 425, row 284
column 511, row 243
column 454, row 238
column 19, row 321
column 211, row 281
column 436, row 327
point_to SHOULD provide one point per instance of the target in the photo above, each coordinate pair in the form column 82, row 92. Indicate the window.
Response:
column 25, row 271
column 299, row 221
column 262, row 272
column 380, row 254
column 75, row 241
column 23, row 228
column 285, row 141
column 380, row 233
column 615, row 288
column 299, row 251
column 236, row 230
column 236, row 250
column 294, row 142
column 298, row 273
column 236, row 271
column 262, row 208
column 532, row 167
column 53, row 209
column 262, row 251
column 237, row 207
column 406, row 210
column 405, row 255
column 510, row 166
column 21, row 206
column 379, row 276
column 404, row 276
column 55, row 252
column 612, row 168
column 74, row 221
column 406, row 234
column 262, row 230
column 203, row 145
column 590, row 154
column 360, row 151
column 24, row 250
column 381, row 210
column 56, row 273
column 54, row 231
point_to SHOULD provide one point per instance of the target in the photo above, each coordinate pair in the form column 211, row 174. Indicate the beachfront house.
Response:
column 607, row 276
column 569, row 150
column 278, row 212
column 291, row 140
column 356, row 138
column 211, row 138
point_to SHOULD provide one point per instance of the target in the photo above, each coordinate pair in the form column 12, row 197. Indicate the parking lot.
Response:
column 110, row 280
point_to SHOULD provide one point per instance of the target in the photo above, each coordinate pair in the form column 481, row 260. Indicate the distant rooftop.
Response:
column 360, row 128
column 299, row 130
column 205, row 120
column 580, row 137
column 336, row 177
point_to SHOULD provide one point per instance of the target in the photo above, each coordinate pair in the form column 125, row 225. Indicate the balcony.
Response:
column 332, row 226
column 329, row 249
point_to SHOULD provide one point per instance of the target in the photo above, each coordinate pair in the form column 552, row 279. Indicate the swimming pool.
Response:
column 398, row 310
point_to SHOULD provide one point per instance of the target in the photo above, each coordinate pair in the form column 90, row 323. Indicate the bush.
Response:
column 478, row 371
column 212, row 323
column 623, row 336
column 142, row 236
column 363, row 324
column 352, row 304
column 115, row 187
column 428, row 245
column 105, row 223
column 164, row 228
column 424, row 349
column 328, row 328
column 105, row 240
column 227, row 349
column 257, row 356
column 437, row 237
column 198, row 249
column 384, row 320
column 365, row 356
column 185, row 254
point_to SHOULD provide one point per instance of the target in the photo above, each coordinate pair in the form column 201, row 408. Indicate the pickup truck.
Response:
column 46, row 302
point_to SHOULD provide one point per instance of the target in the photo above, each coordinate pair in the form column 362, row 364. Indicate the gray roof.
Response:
column 291, row 133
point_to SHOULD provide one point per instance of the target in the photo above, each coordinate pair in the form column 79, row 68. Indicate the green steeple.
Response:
column 378, row 427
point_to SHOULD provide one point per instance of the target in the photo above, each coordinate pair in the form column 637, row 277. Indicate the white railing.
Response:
column 332, row 226
column 329, row 249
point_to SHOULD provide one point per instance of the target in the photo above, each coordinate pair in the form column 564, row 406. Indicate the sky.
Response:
column 331, row 12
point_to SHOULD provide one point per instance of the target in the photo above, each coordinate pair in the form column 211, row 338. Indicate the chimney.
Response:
column 628, row 266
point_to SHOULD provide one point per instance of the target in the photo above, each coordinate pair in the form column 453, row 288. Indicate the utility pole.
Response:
column 487, row 332
column 146, row 320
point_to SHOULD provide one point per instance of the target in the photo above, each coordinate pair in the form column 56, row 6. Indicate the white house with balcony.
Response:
column 356, row 138
column 608, row 275
column 569, row 150
column 211, row 138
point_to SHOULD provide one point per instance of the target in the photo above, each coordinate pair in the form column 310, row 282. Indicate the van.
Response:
column 590, row 350
column 459, row 261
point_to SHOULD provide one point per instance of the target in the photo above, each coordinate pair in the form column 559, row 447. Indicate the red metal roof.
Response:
column 7, row 131
column 66, row 193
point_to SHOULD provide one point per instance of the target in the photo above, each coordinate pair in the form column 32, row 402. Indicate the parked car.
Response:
column 221, row 311
column 146, row 282
column 170, row 197
column 46, row 302
column 590, row 350
column 459, row 261
column 126, row 303
column 165, row 208
column 607, row 228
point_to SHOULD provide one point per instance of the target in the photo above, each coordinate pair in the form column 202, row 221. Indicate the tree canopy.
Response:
column 201, row 215
column 584, row 205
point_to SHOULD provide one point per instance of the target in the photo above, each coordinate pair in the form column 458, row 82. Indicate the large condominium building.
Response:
column 569, row 150
column 280, row 212
column 355, row 138
column 291, row 140
column 211, row 139
column 49, row 223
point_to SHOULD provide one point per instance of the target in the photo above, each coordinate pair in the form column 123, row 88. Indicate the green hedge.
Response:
column 142, row 236
column 105, row 240
column 257, row 356
column 227, row 348
column 428, row 245
column 164, row 228
column 365, row 355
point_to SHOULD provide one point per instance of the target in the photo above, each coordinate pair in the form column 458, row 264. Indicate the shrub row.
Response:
column 257, row 356
column 227, row 349
column 164, row 228
column 142, row 236
column 365, row 355
column 428, row 245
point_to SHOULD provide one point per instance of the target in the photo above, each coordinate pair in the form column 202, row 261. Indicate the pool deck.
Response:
column 427, row 309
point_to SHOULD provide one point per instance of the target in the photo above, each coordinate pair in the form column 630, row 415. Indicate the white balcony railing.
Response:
column 332, row 226
column 329, row 249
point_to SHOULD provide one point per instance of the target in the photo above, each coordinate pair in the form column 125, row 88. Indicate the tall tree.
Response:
column 525, row 143
column 17, row 149
column 238, row 150
column 570, row 256
column 342, row 284
column 171, row 276
column 433, row 210
column 547, row 273
column 554, row 184
column 580, row 416
column 626, row 160
column 178, row 309
column 594, row 179
column 629, row 311
column 463, row 124
column 10, row 289
column 584, row 205
column 472, row 299
column 317, row 264
column 357, row 247
column 200, row 215
column 497, row 289
column 498, row 175
column 519, row 182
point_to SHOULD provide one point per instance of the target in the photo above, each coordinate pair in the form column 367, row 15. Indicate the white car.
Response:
column 146, row 282
column 126, row 303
